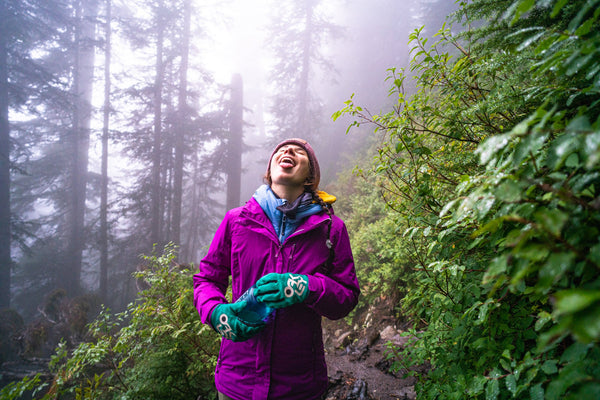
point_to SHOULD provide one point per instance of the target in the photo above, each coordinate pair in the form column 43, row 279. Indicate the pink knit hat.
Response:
column 315, row 172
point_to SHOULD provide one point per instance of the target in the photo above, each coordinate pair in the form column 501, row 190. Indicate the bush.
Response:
column 157, row 349
column 493, row 166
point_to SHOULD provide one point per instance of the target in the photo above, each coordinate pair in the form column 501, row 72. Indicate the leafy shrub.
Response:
column 156, row 349
column 493, row 166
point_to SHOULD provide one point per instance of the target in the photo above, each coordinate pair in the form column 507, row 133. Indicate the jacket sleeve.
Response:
column 210, row 283
column 335, row 293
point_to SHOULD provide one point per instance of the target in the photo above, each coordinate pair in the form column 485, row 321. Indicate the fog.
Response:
column 167, row 126
column 373, row 37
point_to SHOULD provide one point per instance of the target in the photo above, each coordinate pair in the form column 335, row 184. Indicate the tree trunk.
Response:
column 155, row 224
column 83, row 82
column 5, row 257
column 181, row 127
column 303, row 97
column 104, row 166
column 234, row 151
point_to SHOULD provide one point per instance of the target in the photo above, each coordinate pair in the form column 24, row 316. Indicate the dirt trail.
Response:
column 357, row 363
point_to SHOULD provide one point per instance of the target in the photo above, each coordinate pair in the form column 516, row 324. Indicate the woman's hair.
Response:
column 319, row 200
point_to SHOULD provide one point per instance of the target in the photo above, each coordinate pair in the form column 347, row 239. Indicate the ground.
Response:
column 357, row 356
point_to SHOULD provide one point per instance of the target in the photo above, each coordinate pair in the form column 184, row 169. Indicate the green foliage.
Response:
column 157, row 349
column 492, row 170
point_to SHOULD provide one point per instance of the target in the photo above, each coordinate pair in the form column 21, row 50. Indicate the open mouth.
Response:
column 286, row 162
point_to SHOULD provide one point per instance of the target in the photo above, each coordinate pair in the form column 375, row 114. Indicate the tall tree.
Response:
column 299, row 30
column 28, row 83
column 155, row 224
column 181, row 124
column 5, row 240
column 83, row 73
column 235, row 142
column 104, row 162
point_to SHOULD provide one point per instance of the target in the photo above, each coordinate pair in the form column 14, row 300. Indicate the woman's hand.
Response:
column 281, row 290
column 225, row 321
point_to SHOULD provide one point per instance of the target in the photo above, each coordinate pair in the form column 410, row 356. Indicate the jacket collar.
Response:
column 253, row 210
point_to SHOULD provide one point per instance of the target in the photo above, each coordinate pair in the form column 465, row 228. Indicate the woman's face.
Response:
column 290, row 166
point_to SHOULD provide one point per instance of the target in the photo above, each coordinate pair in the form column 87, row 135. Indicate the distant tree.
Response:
column 168, row 136
column 79, row 141
column 298, row 32
column 155, row 224
column 180, row 124
column 104, row 161
column 235, row 142
column 5, row 241
column 30, row 88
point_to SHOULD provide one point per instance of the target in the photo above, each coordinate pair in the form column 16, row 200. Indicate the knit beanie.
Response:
column 315, row 172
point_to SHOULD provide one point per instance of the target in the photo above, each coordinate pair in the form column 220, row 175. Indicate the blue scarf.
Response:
column 285, row 216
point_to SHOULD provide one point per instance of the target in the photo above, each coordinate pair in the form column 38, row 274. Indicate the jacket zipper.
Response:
column 282, row 228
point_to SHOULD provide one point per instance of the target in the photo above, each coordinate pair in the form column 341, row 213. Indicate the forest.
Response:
column 468, row 187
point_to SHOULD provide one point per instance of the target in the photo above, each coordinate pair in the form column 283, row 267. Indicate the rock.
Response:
column 388, row 334
column 359, row 390
column 406, row 393
column 372, row 338
column 342, row 340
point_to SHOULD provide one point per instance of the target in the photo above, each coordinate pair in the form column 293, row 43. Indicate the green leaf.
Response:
column 580, row 124
column 537, row 392
column 477, row 385
column 592, row 149
column 492, row 389
column 554, row 268
column 497, row 266
column 523, row 7
column 573, row 300
column 490, row 148
column 543, row 318
column 511, row 384
column 552, row 220
column 530, row 40
column 509, row 191
column 588, row 391
column 569, row 376
column 586, row 324
column 549, row 367
column 561, row 148
column 533, row 251
column 530, row 144
column 594, row 254
column 557, row 7
column 575, row 352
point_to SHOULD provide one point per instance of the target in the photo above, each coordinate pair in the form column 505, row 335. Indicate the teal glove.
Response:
column 281, row 290
column 225, row 321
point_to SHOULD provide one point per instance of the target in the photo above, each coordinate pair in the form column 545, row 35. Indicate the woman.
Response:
column 287, row 241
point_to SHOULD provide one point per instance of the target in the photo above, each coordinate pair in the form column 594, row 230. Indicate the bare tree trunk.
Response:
column 155, row 224
column 104, row 166
column 180, row 127
column 234, row 151
column 83, row 82
column 303, row 125
column 189, row 250
column 5, row 256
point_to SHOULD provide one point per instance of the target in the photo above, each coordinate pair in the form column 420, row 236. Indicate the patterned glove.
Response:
column 225, row 321
column 281, row 290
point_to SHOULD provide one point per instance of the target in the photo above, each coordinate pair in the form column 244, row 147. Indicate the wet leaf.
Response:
column 573, row 300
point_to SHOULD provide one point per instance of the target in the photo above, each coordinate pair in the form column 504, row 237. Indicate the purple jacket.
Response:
column 286, row 360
